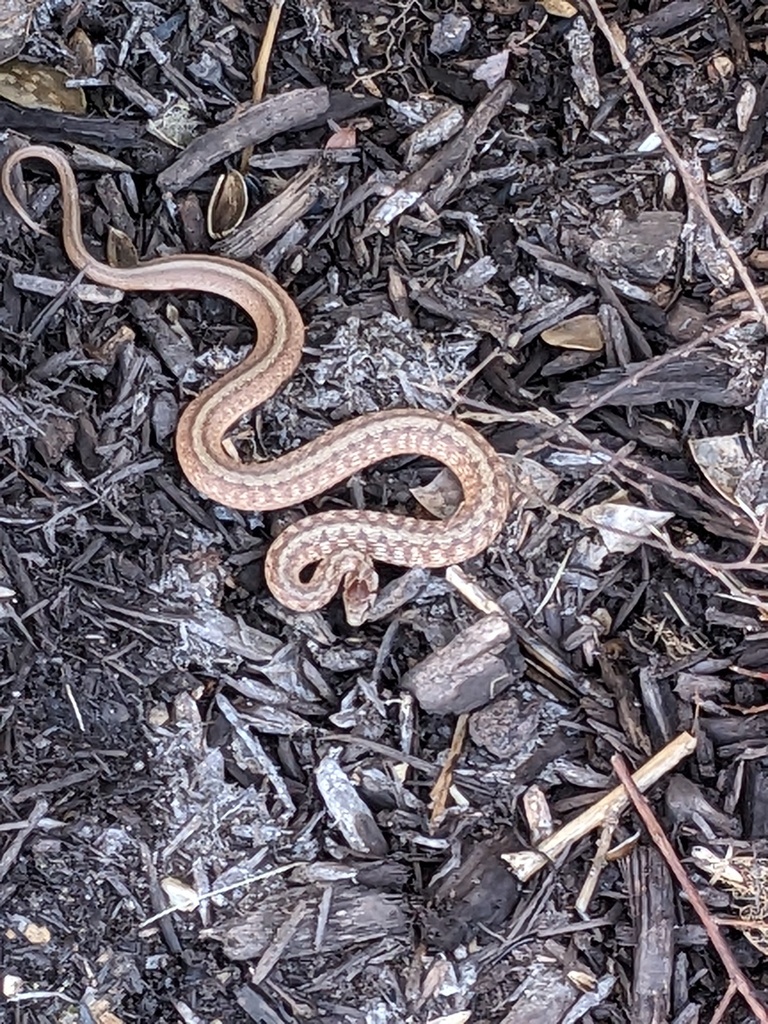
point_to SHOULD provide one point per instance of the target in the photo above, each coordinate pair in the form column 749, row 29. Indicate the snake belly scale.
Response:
column 341, row 544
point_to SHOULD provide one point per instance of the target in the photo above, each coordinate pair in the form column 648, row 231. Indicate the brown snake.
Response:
column 342, row 544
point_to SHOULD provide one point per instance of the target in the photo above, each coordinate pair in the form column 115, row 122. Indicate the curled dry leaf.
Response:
column 583, row 333
column 80, row 44
column 180, row 895
column 342, row 138
column 559, row 8
column 745, row 106
column 121, row 252
column 734, row 472
column 441, row 496
column 38, row 87
column 14, row 26
column 623, row 528
column 228, row 205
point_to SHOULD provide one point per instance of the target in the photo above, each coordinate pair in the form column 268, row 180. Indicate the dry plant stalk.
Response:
column 442, row 787
column 259, row 72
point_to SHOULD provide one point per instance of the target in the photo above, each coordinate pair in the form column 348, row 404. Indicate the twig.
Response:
column 259, row 73
column 14, row 847
column 596, row 868
column 739, row 980
column 722, row 1006
column 694, row 191
column 440, row 791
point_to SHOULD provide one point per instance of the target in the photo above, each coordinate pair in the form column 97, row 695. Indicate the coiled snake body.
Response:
column 342, row 544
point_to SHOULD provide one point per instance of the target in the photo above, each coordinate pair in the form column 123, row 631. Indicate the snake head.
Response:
column 359, row 590
column 290, row 575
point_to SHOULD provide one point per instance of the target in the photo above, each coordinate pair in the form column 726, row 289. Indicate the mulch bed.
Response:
column 215, row 809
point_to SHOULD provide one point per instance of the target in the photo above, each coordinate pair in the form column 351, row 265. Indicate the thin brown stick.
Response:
column 441, row 789
column 722, row 1007
column 259, row 73
column 737, row 978
column 695, row 192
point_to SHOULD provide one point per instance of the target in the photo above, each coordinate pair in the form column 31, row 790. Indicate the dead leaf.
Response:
column 121, row 252
column 559, row 8
column 583, row 71
column 12, row 985
column 433, row 133
column 101, row 1012
column 177, row 125
column 618, row 37
column 504, row 8
column 583, row 981
column 722, row 460
column 180, row 895
column 746, row 104
column 441, row 497
column 733, row 470
column 80, row 44
column 228, row 205
column 623, row 528
column 342, row 138
column 14, row 26
column 450, row 34
column 537, row 483
column 38, row 87
column 583, row 333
